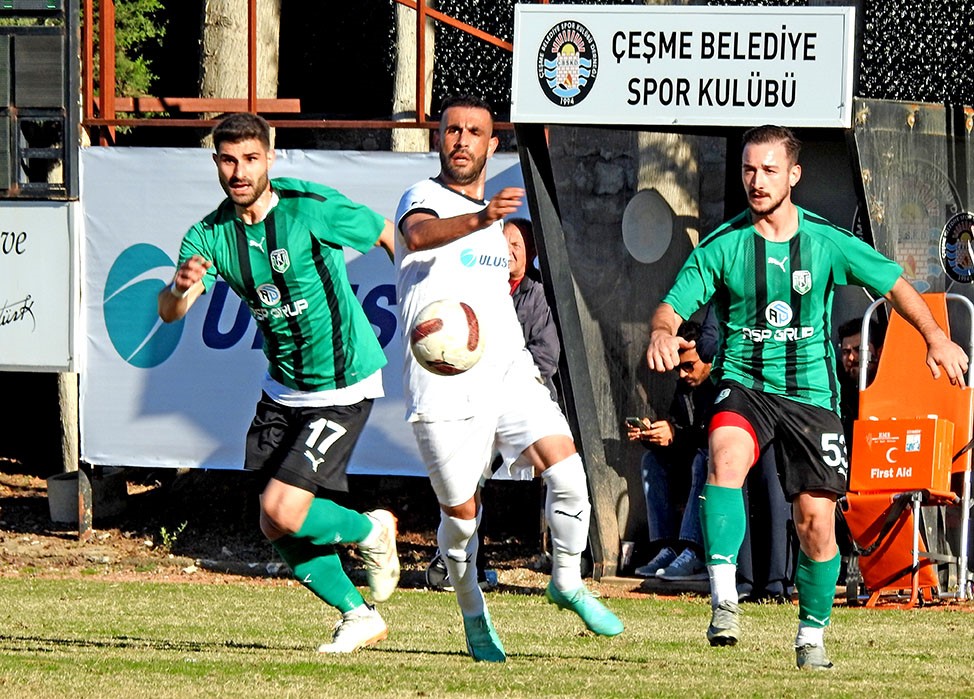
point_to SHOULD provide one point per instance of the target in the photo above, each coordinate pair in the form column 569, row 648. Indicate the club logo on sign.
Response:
column 957, row 247
column 568, row 62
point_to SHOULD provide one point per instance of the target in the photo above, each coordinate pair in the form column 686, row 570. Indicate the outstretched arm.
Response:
column 663, row 353
column 423, row 231
column 177, row 298
column 941, row 352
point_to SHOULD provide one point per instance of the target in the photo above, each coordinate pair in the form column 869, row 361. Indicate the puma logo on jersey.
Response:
column 315, row 463
column 256, row 244
column 779, row 263
column 721, row 557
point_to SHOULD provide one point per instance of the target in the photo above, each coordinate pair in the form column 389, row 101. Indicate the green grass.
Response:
column 89, row 638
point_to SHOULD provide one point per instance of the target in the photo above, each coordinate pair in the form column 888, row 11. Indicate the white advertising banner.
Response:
column 683, row 66
column 38, row 287
column 183, row 394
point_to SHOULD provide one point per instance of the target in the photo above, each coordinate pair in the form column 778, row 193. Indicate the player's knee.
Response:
column 279, row 517
column 454, row 535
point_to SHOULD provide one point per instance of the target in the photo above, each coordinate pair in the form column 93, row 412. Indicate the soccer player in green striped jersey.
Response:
column 279, row 245
column 770, row 273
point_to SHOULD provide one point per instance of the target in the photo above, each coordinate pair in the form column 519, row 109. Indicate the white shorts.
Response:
column 458, row 453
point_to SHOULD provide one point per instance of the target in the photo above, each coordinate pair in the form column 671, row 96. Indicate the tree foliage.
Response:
column 138, row 23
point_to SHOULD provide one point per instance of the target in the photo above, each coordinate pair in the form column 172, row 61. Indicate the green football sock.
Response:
column 815, row 581
column 320, row 570
column 327, row 523
column 723, row 522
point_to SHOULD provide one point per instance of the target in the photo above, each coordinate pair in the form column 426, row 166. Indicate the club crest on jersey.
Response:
column 280, row 262
column 801, row 281
column 778, row 314
column 269, row 295
column 722, row 395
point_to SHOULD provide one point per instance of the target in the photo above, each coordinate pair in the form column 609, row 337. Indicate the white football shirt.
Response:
column 472, row 269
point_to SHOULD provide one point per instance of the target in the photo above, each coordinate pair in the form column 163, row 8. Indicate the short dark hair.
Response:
column 242, row 127
column 853, row 326
column 774, row 134
column 466, row 101
column 689, row 330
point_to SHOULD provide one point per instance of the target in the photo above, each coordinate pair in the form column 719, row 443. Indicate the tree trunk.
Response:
column 67, row 385
column 404, row 96
column 223, row 69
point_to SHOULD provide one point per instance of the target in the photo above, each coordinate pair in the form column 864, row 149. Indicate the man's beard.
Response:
column 769, row 206
column 466, row 176
column 257, row 189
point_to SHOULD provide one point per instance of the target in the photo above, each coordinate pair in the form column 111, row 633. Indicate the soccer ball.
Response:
column 445, row 338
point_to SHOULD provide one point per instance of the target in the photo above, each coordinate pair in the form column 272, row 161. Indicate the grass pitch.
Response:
column 133, row 640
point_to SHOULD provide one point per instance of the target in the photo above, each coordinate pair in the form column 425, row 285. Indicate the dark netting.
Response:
column 921, row 51
column 466, row 64
column 918, row 51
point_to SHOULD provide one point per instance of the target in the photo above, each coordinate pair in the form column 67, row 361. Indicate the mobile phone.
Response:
column 636, row 422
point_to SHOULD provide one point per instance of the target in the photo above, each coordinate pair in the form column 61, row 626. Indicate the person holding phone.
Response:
column 674, row 468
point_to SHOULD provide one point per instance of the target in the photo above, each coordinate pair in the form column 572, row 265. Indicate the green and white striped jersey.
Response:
column 290, row 271
column 774, row 301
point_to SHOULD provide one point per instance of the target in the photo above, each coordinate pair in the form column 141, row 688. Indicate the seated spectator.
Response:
column 676, row 462
column 850, row 339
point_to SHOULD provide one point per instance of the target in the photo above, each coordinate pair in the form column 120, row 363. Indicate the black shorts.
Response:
column 305, row 447
column 808, row 441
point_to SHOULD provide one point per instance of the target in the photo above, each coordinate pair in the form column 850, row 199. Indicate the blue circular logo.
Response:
column 778, row 314
column 468, row 258
column 131, row 309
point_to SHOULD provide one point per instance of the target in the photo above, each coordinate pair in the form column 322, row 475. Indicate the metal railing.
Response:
column 104, row 111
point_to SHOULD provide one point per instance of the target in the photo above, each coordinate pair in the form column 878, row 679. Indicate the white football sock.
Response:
column 568, row 510
column 457, row 539
column 809, row 635
column 723, row 583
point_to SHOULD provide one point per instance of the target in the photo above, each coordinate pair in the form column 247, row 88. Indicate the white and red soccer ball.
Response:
column 445, row 338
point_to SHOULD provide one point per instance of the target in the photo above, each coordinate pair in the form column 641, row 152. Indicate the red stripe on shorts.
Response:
column 728, row 419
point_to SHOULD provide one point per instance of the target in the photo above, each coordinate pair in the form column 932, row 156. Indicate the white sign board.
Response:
column 683, row 66
column 38, row 287
column 183, row 394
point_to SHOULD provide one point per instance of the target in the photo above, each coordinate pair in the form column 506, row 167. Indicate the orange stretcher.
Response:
column 913, row 435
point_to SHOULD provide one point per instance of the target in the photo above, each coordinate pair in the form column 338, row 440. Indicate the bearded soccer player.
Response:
column 771, row 273
column 279, row 245
column 452, row 245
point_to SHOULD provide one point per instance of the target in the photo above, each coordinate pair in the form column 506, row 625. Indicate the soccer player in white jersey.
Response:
column 451, row 245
